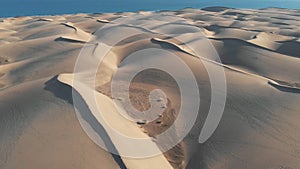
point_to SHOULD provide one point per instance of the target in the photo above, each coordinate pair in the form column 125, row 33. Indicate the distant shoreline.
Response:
column 13, row 8
column 134, row 11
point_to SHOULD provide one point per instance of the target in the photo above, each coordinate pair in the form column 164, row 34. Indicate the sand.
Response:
column 259, row 53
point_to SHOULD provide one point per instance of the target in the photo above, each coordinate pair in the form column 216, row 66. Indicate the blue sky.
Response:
column 47, row 7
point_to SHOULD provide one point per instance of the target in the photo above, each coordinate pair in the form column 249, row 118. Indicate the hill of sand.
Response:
column 259, row 52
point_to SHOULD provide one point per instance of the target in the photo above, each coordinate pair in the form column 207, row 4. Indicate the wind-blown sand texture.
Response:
column 259, row 50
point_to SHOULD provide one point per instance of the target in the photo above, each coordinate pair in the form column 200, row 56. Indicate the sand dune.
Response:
column 259, row 53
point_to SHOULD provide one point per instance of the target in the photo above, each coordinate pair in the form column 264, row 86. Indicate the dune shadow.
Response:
column 290, row 48
column 66, row 93
column 216, row 8
column 63, row 39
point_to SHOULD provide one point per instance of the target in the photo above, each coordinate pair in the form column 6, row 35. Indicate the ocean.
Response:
column 11, row 8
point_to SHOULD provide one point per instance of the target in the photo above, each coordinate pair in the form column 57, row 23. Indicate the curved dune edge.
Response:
column 102, row 20
column 158, row 161
column 286, row 85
